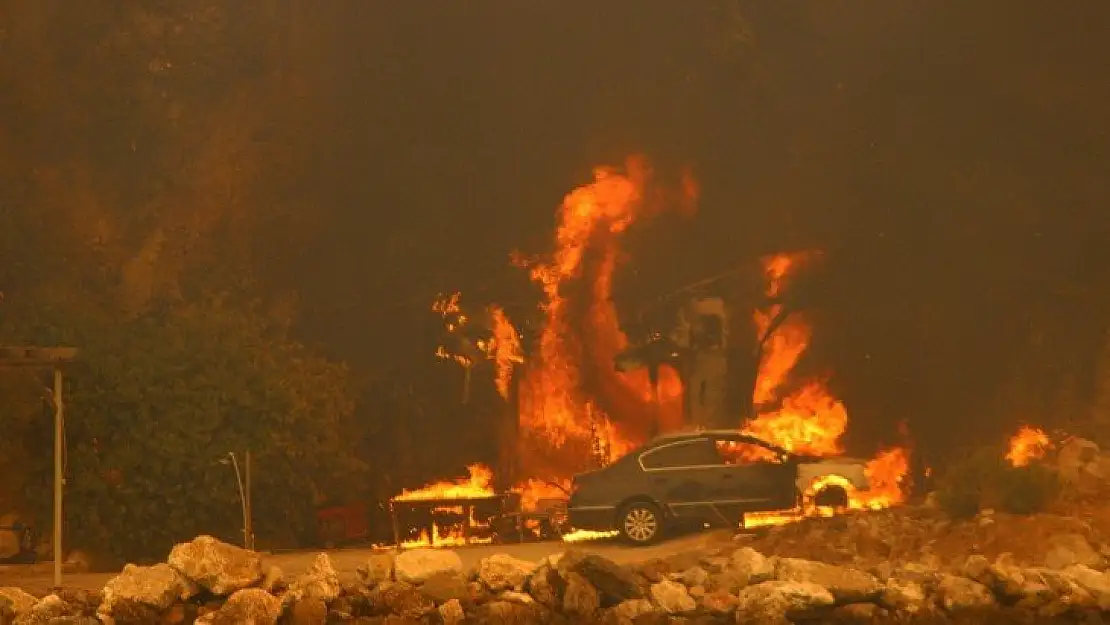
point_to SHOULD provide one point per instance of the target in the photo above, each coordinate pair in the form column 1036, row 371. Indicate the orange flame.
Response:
column 809, row 420
column 1027, row 445
column 477, row 486
column 504, row 348
column 571, row 377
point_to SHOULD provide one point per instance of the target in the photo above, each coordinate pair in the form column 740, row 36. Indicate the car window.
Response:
column 695, row 453
column 742, row 452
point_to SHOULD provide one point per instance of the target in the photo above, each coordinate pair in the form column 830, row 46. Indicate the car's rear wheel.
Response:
column 640, row 523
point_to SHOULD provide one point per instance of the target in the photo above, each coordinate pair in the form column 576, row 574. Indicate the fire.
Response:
column 570, row 386
column 502, row 346
column 504, row 349
column 1027, row 445
column 808, row 420
column 477, row 486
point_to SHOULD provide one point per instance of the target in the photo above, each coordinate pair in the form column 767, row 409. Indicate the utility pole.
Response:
column 59, row 474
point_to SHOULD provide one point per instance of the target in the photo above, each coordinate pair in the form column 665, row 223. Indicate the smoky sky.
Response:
column 949, row 157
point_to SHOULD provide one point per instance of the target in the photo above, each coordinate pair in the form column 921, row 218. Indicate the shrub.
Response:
column 985, row 480
column 965, row 487
column 1028, row 489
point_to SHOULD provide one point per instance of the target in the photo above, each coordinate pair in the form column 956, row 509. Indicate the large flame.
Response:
column 575, row 409
column 477, row 485
column 1028, row 444
column 807, row 418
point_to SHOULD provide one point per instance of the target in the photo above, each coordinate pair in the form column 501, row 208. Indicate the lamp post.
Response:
column 243, row 481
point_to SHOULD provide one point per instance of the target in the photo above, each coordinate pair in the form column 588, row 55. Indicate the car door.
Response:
column 683, row 476
column 754, row 477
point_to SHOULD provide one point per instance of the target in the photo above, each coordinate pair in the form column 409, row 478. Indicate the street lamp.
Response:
column 243, row 481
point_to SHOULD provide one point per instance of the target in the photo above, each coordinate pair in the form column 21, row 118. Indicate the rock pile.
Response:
column 207, row 581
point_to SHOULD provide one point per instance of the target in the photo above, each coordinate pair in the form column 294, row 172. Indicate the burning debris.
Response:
column 1027, row 445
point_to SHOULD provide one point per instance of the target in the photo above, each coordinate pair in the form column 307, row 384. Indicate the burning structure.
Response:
column 579, row 393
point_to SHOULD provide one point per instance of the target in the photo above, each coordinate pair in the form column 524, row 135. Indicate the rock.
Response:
column 903, row 595
column 1069, row 549
column 217, row 566
column 445, row 586
column 1092, row 581
column 753, row 565
column 503, row 572
column 546, row 586
column 719, row 602
column 250, row 605
column 580, row 600
column 780, row 602
column 976, row 567
column 613, row 582
column 272, row 580
column 695, row 576
column 378, row 569
column 514, row 596
column 672, row 597
column 308, row 611
column 654, row 570
column 45, row 611
column 728, row 581
column 137, row 587
column 320, row 581
column 451, row 612
column 860, row 613
column 506, row 613
column 19, row 600
column 417, row 565
column 629, row 611
column 846, row 585
column 401, row 598
column 960, row 593
column 716, row 564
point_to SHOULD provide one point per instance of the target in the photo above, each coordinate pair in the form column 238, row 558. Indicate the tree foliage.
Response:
column 158, row 400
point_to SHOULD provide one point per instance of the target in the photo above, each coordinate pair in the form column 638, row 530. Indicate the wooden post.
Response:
column 396, row 527
column 248, row 503
column 59, row 477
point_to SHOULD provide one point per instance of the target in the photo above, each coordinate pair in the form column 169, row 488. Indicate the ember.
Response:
column 1027, row 445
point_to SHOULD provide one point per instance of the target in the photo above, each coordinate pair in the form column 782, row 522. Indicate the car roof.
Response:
column 692, row 435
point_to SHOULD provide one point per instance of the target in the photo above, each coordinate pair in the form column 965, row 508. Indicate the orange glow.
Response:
column 1027, row 445
column 477, row 486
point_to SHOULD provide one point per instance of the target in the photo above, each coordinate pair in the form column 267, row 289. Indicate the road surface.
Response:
column 38, row 579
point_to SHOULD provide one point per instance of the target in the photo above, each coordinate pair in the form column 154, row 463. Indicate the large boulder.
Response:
column 504, row 572
column 18, row 600
column 320, row 581
column 846, row 585
column 217, row 566
column 580, row 600
column 614, row 583
column 752, row 565
column 779, row 602
column 672, row 597
column 152, row 587
column 1069, row 549
column 249, row 605
column 958, row 594
column 417, row 565
column 378, row 569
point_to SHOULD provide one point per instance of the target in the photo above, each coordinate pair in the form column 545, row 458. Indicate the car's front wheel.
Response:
column 641, row 523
